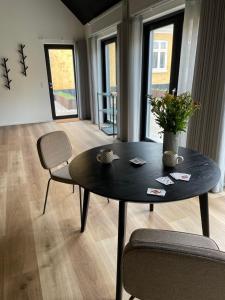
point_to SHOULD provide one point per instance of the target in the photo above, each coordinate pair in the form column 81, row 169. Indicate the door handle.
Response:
column 50, row 85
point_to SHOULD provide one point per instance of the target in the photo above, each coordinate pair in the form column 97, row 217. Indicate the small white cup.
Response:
column 171, row 159
column 105, row 156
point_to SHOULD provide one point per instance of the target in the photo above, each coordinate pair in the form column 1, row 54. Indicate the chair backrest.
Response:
column 158, row 270
column 54, row 148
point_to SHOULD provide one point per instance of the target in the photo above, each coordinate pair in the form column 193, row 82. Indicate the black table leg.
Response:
column 203, row 201
column 85, row 209
column 151, row 207
column 121, row 241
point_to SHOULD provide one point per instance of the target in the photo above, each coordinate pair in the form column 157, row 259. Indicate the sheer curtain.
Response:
column 189, row 45
column 83, row 98
column 122, row 79
column 129, row 75
column 135, row 68
column 188, row 50
column 206, row 130
column 93, row 76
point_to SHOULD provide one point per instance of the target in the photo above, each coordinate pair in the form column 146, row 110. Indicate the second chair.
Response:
column 54, row 151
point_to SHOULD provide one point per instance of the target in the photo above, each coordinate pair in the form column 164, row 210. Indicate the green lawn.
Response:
column 65, row 95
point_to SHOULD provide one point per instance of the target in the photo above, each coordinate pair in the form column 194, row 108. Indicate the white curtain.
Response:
column 188, row 51
column 189, row 45
column 122, row 79
column 93, row 76
column 206, row 129
column 135, row 72
column 130, row 33
column 83, row 98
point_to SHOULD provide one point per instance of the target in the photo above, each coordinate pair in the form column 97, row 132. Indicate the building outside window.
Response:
column 160, row 56
column 160, row 52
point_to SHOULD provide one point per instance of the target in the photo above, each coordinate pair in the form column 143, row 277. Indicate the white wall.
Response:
column 31, row 22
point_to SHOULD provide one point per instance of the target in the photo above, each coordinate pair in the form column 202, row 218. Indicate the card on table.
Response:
column 138, row 161
column 165, row 180
column 156, row 192
column 181, row 176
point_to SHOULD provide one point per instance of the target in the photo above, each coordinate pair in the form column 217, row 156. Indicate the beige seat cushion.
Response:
column 62, row 175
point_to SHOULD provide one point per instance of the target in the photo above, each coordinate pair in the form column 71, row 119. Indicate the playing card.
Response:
column 181, row 176
column 165, row 180
column 137, row 161
column 156, row 192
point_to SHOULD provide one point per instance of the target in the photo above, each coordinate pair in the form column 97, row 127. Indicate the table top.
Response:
column 123, row 181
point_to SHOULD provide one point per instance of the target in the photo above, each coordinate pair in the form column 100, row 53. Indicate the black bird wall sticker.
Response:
column 6, row 71
column 23, row 59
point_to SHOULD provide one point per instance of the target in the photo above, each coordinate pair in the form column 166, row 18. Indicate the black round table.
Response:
column 127, row 183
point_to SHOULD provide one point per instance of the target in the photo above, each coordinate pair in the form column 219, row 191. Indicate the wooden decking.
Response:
column 46, row 257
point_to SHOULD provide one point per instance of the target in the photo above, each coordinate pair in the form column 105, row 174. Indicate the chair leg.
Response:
column 81, row 204
column 131, row 298
column 80, row 193
column 46, row 195
column 151, row 207
column 73, row 188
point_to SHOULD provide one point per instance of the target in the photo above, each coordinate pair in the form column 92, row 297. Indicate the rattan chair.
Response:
column 167, row 265
column 54, row 151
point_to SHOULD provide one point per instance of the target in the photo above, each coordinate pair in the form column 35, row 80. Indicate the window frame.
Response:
column 176, row 19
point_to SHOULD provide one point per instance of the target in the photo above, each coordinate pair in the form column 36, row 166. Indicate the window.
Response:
column 160, row 50
column 61, row 78
column 109, row 87
column 109, row 65
column 161, row 59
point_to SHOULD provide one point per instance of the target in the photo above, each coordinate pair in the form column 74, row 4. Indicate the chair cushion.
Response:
column 62, row 175
column 141, row 237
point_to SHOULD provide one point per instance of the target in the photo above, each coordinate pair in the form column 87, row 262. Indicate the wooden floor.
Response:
column 46, row 257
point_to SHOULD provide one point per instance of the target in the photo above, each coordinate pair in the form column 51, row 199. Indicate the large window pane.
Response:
column 110, row 53
column 160, row 55
column 63, row 81
column 107, row 102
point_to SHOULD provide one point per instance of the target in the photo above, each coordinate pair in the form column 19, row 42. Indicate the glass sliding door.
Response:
column 109, row 65
column 162, row 45
column 61, row 78
column 109, row 85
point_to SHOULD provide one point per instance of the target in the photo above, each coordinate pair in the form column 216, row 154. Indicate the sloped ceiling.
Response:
column 86, row 10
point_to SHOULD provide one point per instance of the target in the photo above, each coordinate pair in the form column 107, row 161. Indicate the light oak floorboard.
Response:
column 46, row 257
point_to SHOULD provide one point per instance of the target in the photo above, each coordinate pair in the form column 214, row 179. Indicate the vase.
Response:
column 170, row 141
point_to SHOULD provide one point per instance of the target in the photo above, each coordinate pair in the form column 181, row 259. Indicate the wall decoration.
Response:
column 23, row 58
column 6, row 72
